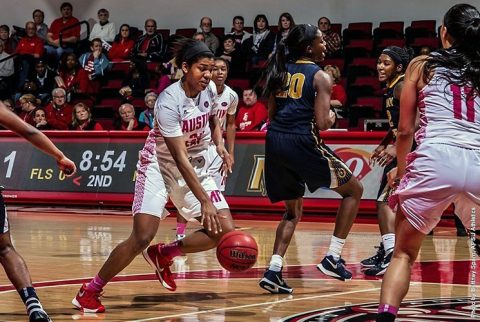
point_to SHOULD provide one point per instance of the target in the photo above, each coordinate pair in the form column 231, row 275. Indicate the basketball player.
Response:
column 225, row 107
column 391, row 67
column 445, row 167
column 179, row 140
column 12, row 262
column 299, row 107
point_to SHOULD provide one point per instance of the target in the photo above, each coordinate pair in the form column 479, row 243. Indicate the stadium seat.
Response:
column 186, row 32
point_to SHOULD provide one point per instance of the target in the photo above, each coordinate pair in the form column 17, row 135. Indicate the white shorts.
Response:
column 215, row 167
column 150, row 192
column 182, row 197
column 436, row 176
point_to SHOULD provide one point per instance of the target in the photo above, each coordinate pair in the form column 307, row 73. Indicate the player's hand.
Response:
column 387, row 156
column 375, row 155
column 394, row 177
column 227, row 160
column 210, row 218
column 67, row 166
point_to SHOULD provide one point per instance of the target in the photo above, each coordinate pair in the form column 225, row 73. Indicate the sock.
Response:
column 96, row 284
column 388, row 242
column 30, row 299
column 276, row 263
column 385, row 317
column 181, row 228
column 336, row 246
column 171, row 250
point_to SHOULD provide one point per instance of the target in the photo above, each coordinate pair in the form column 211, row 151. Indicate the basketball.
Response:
column 237, row 251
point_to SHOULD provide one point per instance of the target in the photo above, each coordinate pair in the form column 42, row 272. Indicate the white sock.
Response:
column 336, row 246
column 388, row 242
column 276, row 263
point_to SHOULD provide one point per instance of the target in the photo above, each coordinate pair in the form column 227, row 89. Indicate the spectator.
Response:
column 95, row 65
column 285, row 24
column 82, row 119
column 40, row 119
column 6, row 72
column 239, row 33
column 59, row 112
column 199, row 36
column 147, row 116
column 260, row 45
column 40, row 26
column 128, row 122
column 210, row 39
column 103, row 29
column 136, row 82
column 251, row 114
column 55, row 49
column 333, row 40
column 44, row 80
column 10, row 43
column 424, row 50
column 9, row 104
column 71, row 77
column 149, row 46
column 339, row 96
column 28, row 103
column 234, row 57
column 29, row 49
column 122, row 46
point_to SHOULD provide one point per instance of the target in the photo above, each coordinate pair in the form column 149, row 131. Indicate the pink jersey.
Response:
column 449, row 114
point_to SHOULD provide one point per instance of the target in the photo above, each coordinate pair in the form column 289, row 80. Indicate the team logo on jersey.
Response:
column 224, row 104
column 356, row 160
column 445, row 309
column 206, row 104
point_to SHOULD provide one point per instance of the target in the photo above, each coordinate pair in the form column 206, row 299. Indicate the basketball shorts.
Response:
column 182, row 197
column 215, row 167
column 385, row 190
column 293, row 161
column 150, row 192
column 3, row 216
column 436, row 176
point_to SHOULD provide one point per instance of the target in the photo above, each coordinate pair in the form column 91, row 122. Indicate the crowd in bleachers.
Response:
column 54, row 78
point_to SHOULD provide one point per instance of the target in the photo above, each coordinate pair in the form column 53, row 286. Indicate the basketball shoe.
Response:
column 88, row 301
column 161, row 264
column 380, row 268
column 336, row 269
column 375, row 259
column 39, row 316
column 180, row 236
column 274, row 283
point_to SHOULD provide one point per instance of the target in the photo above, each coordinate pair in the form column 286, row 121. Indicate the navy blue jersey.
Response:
column 295, row 105
column 392, row 104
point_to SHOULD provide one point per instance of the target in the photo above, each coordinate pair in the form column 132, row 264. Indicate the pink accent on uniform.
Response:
column 181, row 228
column 387, row 308
column 96, row 284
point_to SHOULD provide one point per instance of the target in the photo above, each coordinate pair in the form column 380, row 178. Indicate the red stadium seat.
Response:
column 218, row 31
column 186, row 32
column 164, row 32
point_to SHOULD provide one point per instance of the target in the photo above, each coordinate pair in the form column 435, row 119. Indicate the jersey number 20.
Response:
column 295, row 86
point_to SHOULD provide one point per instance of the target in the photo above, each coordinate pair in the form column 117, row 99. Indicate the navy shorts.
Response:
column 293, row 161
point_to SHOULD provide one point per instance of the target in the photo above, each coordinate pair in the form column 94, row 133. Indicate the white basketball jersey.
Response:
column 178, row 115
column 449, row 114
column 225, row 103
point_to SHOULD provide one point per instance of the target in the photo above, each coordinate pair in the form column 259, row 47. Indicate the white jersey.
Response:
column 178, row 115
column 449, row 114
column 225, row 103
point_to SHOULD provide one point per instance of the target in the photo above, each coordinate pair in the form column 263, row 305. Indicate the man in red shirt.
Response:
column 59, row 113
column 252, row 114
column 70, row 37
column 29, row 49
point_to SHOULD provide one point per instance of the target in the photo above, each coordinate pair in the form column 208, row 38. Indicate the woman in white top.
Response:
column 184, row 115
column 445, row 167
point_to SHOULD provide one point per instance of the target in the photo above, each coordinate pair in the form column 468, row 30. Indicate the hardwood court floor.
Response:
column 65, row 248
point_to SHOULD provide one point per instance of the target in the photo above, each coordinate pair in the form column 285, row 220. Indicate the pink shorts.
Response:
column 438, row 175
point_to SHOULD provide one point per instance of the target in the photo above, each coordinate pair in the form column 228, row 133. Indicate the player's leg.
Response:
column 396, row 280
column 17, row 271
column 272, row 280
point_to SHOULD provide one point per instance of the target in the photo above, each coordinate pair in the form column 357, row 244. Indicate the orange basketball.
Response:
column 237, row 251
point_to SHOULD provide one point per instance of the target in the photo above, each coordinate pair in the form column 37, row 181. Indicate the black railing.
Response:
column 60, row 39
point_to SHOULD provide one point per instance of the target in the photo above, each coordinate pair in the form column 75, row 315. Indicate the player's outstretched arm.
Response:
column 11, row 121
